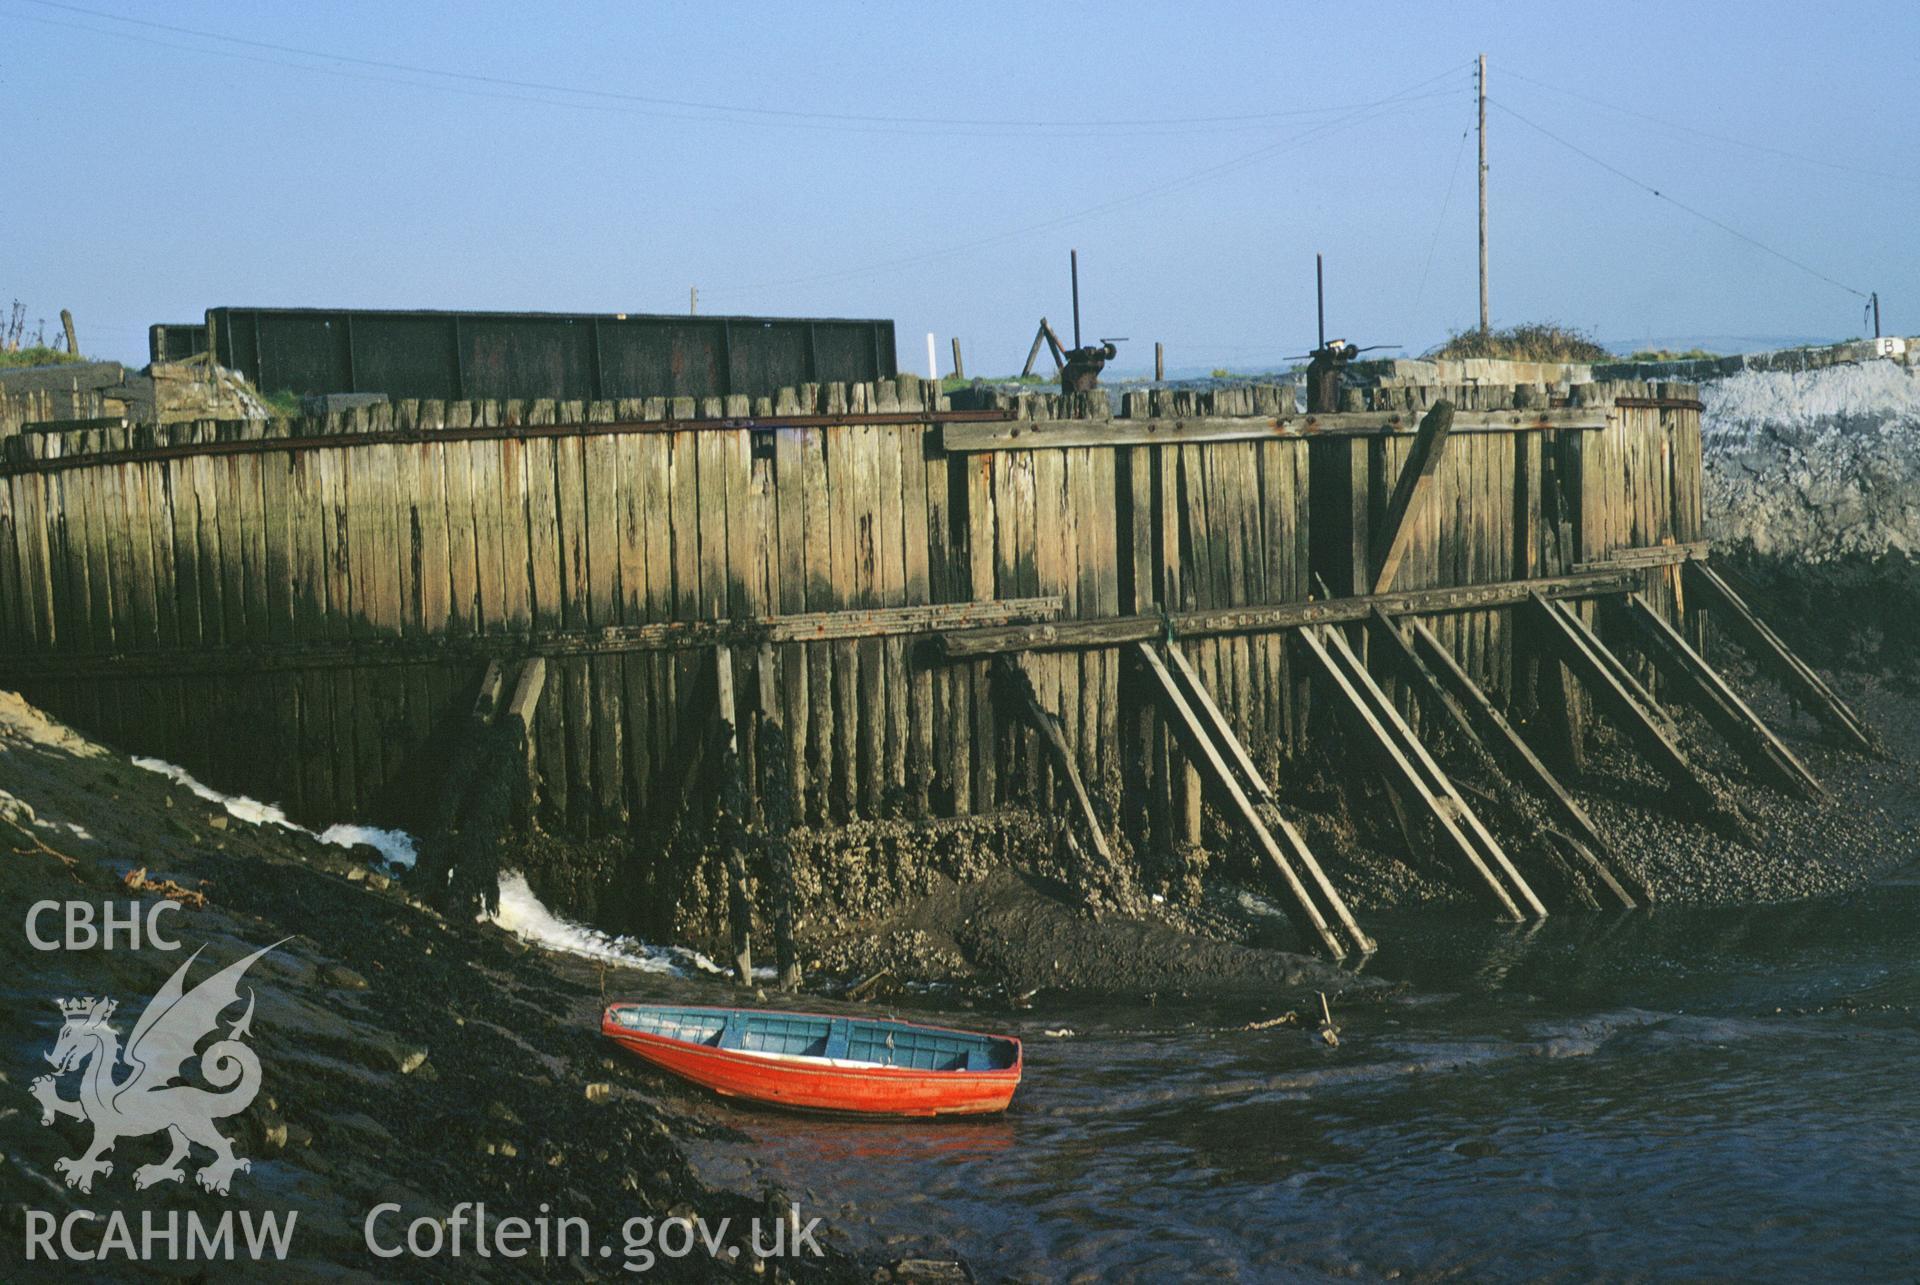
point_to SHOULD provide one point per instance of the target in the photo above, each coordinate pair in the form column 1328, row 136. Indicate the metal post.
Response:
column 1485, row 316
column 1320, row 297
column 693, row 301
column 1074, row 260
column 1876, row 314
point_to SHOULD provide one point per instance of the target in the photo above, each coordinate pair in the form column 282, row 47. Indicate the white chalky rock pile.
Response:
column 1816, row 465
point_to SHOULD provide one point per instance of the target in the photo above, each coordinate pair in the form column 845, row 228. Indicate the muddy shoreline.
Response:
column 425, row 1061
column 406, row 1058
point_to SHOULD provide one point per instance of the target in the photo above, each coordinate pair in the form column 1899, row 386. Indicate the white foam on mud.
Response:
column 1255, row 904
column 237, row 805
column 521, row 912
column 525, row 916
column 395, row 846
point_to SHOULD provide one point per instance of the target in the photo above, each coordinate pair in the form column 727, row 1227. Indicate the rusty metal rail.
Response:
column 496, row 433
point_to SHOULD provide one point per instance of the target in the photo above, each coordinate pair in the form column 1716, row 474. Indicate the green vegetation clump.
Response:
column 1668, row 354
column 949, row 383
column 284, row 404
column 38, row 355
column 1532, row 341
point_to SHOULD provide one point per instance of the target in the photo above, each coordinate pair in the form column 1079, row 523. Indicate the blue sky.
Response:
column 1196, row 155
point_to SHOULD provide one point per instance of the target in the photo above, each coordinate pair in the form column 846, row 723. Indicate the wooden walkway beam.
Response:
column 1064, row 635
column 608, row 640
column 1029, row 434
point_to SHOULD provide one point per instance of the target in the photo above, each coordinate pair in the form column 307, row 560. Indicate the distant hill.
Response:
column 1725, row 345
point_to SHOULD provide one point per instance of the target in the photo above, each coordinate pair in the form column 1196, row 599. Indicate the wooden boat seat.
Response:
column 838, row 1035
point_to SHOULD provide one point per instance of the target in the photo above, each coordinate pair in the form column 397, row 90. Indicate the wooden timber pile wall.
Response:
column 302, row 610
column 22, row 406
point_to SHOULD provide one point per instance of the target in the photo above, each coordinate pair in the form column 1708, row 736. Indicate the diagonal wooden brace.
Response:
column 1505, row 744
column 1261, row 794
column 1730, row 715
column 1192, row 732
column 1409, row 760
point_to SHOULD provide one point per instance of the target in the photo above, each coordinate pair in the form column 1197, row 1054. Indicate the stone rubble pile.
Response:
column 1815, row 465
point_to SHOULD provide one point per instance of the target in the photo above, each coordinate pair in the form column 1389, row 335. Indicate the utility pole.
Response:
column 1876, row 314
column 1486, row 322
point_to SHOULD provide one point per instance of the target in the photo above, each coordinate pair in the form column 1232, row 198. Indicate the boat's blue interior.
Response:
column 856, row 1039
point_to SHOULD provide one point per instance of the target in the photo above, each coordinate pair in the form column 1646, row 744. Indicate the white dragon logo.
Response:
column 149, row 1100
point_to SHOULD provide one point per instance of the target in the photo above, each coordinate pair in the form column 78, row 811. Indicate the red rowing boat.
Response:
column 866, row 1065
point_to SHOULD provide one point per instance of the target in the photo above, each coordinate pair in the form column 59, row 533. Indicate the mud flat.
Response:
column 420, row 1060
column 405, row 1058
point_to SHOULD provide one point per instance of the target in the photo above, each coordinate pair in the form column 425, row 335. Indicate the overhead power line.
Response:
column 1453, row 177
column 1718, row 138
column 1384, row 107
column 717, row 112
column 1678, row 204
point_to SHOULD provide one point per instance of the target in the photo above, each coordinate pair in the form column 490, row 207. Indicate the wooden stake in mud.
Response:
column 1524, row 763
column 1018, row 685
column 739, row 898
column 493, row 685
column 1772, row 654
column 521, row 709
column 1730, row 716
column 1188, row 727
column 489, row 770
column 772, row 754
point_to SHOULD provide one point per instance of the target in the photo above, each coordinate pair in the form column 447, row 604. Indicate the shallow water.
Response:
column 1682, row 1094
